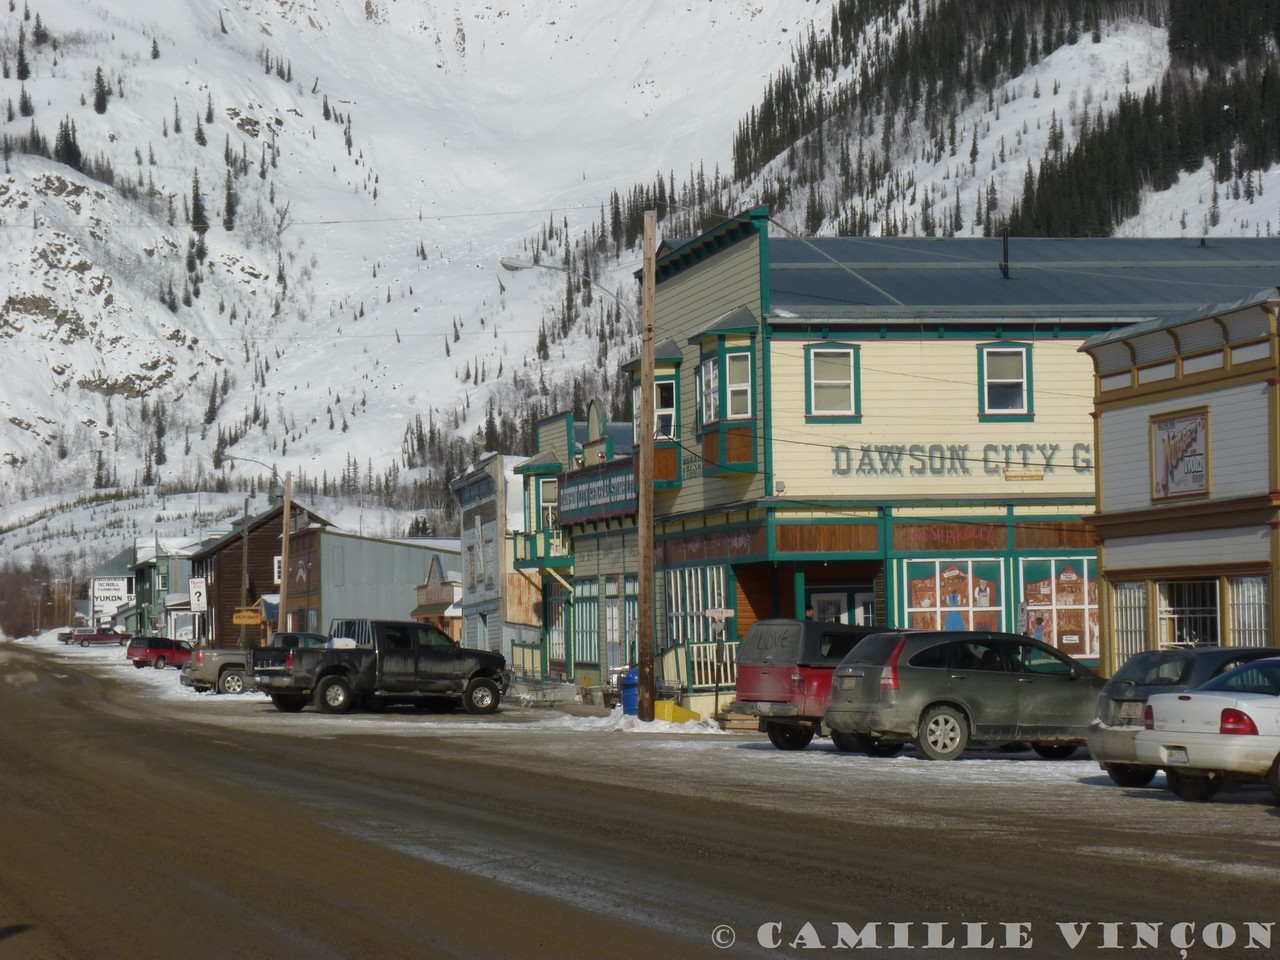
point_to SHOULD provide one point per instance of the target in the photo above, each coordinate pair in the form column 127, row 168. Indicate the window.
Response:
column 1129, row 606
column 664, row 408
column 833, row 375
column 1004, row 373
column 1188, row 613
column 276, row 569
column 1031, row 659
column 1250, row 612
column 738, row 382
column 162, row 582
column 549, row 495
column 709, row 390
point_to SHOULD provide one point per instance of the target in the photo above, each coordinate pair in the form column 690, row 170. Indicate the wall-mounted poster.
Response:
column 1180, row 455
column 954, row 594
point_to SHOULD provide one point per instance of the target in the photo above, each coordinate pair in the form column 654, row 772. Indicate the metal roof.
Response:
column 1256, row 299
column 960, row 279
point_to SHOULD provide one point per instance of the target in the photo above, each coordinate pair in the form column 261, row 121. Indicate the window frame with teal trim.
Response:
column 672, row 412
column 717, row 397
column 988, row 414
column 854, row 413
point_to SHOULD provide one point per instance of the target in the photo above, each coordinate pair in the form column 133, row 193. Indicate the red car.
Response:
column 158, row 652
column 784, row 678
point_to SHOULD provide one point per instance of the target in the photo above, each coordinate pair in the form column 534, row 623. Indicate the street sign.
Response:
column 199, row 596
column 246, row 617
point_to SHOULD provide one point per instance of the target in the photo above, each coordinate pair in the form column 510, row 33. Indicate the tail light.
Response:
column 200, row 657
column 288, row 660
column 1236, row 721
column 1148, row 719
column 889, row 675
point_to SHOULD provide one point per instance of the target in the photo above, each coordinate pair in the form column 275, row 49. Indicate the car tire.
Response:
column 1193, row 789
column 789, row 736
column 334, row 695
column 1273, row 779
column 124, row 642
column 288, row 702
column 944, row 733
column 850, row 742
column 158, row 663
column 232, row 682
column 1054, row 751
column 1129, row 774
column 84, row 643
column 481, row 697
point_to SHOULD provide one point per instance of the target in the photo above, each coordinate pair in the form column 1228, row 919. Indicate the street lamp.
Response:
column 284, row 546
column 644, row 460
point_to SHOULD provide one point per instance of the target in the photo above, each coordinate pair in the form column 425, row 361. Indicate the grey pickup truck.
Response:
column 226, row 670
column 375, row 663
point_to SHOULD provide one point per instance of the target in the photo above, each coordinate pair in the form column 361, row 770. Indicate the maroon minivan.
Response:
column 784, row 679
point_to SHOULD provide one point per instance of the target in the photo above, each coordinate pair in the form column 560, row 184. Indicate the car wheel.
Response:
column 124, row 642
column 334, row 695
column 288, row 702
column 158, row 663
column 1129, row 774
column 232, row 682
column 481, row 697
column 1054, row 751
column 1191, row 788
column 944, row 733
column 1273, row 779
column 84, row 643
column 850, row 742
column 789, row 736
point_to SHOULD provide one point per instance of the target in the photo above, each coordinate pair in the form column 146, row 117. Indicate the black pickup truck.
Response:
column 377, row 662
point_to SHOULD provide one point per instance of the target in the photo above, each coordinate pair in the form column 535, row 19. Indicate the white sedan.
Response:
column 1226, row 730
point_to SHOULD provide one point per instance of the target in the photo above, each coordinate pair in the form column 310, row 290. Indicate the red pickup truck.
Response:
column 106, row 635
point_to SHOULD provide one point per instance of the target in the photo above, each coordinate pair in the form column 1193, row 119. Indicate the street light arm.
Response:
column 516, row 264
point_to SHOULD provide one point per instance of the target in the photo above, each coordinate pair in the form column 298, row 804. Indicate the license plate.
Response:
column 1175, row 754
column 1131, row 710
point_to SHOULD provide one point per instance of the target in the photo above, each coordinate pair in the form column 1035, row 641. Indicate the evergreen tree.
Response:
column 24, row 102
column 199, row 134
column 23, row 70
column 155, row 49
column 199, row 219
column 39, row 33
column 100, row 92
column 229, row 205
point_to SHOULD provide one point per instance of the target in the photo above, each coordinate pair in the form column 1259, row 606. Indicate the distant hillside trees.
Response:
column 100, row 92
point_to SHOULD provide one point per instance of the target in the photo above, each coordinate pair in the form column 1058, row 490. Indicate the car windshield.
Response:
column 1261, row 676
column 1156, row 668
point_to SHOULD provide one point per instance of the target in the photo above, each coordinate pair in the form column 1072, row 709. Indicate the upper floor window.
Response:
column 738, row 385
column 665, row 424
column 1004, row 373
column 832, row 373
column 548, row 493
column 709, row 390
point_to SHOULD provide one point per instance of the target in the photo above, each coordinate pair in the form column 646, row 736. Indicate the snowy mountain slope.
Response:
column 359, row 287
column 470, row 126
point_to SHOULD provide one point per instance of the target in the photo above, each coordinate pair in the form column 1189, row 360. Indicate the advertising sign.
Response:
column 1180, row 455
column 110, row 591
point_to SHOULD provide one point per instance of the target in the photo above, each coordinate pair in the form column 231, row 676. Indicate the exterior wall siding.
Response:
column 1196, row 548
column 929, row 440
column 1238, row 428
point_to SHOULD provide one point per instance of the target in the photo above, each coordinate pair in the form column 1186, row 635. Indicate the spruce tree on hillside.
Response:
column 100, row 92
column 199, row 218
column 229, row 205
column 199, row 135
column 23, row 69
column 155, row 49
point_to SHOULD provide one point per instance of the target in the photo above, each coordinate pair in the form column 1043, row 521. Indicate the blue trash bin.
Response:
column 631, row 692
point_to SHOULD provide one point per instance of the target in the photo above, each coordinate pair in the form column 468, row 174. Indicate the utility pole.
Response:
column 244, row 566
column 282, row 619
column 644, row 492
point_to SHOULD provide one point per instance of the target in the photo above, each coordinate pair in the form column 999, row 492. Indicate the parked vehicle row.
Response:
column 228, row 670
column 1208, row 717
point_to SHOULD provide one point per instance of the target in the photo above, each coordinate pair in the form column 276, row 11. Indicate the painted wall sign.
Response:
column 959, row 459
column 598, row 493
column 1180, row 455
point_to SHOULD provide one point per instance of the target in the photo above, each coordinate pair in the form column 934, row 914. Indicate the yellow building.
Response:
column 894, row 431
column 1188, row 430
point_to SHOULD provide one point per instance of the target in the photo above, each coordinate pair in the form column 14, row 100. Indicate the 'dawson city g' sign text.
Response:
column 957, row 459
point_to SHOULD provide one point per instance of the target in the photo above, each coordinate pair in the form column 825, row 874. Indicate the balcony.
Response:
column 541, row 550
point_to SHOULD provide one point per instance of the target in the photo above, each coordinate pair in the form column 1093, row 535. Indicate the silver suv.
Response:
column 943, row 690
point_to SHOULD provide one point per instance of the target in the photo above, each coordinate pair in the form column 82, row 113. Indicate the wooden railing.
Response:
column 693, row 666
column 540, row 546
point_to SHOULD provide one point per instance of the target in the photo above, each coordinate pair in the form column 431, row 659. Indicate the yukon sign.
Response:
column 110, row 593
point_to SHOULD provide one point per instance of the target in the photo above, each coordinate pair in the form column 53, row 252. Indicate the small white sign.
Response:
column 199, row 596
